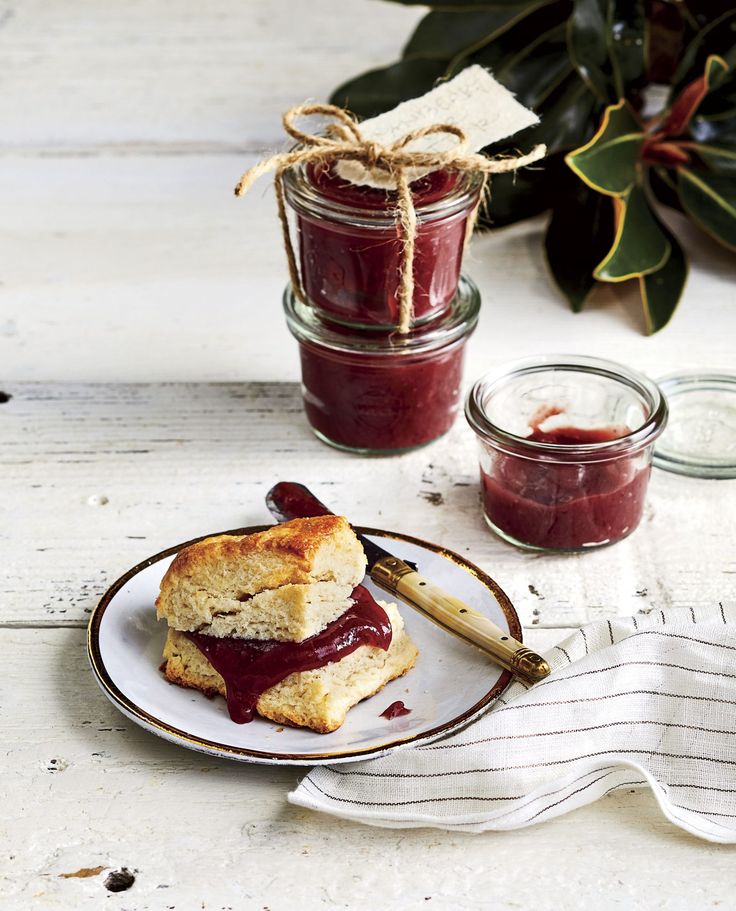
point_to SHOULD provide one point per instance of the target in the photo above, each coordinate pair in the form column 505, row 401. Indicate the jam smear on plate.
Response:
column 395, row 710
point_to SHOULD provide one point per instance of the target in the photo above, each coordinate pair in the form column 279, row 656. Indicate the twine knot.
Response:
column 342, row 140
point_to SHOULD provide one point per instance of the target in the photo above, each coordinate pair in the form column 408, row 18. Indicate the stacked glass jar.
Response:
column 366, row 387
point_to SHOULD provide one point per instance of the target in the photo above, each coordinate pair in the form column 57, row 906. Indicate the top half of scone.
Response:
column 286, row 583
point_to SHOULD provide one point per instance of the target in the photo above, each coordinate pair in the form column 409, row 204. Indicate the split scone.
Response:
column 278, row 624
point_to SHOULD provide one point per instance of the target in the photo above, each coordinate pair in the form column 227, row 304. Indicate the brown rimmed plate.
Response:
column 451, row 685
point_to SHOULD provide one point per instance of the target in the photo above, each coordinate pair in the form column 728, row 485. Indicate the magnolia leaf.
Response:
column 515, row 197
column 628, row 37
column 640, row 245
column 664, row 187
column 607, row 40
column 720, row 159
column 710, row 200
column 716, row 38
column 608, row 163
column 688, row 101
column 566, row 118
column 579, row 234
column 381, row 90
column 661, row 290
column 720, row 102
column 538, row 70
column 661, row 152
column 531, row 58
column 443, row 35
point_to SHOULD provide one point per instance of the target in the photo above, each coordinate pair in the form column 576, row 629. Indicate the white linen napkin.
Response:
column 645, row 700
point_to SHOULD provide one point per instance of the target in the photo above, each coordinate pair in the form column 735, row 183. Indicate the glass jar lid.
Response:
column 700, row 440
column 306, row 325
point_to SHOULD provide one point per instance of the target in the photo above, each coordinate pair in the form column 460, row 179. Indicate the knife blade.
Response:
column 290, row 500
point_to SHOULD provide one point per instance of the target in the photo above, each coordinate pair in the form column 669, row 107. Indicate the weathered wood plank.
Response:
column 148, row 269
column 90, row 789
column 96, row 478
column 180, row 74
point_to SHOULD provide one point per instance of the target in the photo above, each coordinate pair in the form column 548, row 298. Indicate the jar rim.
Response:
column 303, row 196
column 642, row 436
column 306, row 325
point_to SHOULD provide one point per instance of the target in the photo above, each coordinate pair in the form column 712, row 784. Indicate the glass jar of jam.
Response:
column 565, row 450
column 350, row 250
column 377, row 392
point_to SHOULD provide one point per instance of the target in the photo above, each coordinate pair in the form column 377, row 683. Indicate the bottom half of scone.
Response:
column 318, row 699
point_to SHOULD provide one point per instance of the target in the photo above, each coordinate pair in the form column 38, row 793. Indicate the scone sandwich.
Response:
column 278, row 623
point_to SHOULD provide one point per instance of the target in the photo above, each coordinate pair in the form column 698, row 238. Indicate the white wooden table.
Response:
column 131, row 280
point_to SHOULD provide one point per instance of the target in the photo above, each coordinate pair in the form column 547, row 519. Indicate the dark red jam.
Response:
column 381, row 402
column 249, row 667
column 395, row 710
column 350, row 266
column 566, row 505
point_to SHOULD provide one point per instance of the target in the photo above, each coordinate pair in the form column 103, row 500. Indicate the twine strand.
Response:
column 344, row 141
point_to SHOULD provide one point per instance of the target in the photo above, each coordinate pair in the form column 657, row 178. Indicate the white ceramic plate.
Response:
column 451, row 684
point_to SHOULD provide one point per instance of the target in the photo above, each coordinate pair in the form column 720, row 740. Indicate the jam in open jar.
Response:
column 351, row 251
column 379, row 392
column 565, row 450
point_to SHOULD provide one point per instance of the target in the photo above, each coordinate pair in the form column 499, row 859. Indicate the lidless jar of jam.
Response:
column 350, row 251
column 565, row 450
column 376, row 392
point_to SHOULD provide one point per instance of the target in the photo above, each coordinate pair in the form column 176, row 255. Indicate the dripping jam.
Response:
column 249, row 667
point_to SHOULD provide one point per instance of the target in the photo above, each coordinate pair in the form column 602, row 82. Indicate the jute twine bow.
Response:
column 343, row 141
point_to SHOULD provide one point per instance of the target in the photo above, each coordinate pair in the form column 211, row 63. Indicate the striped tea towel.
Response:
column 645, row 700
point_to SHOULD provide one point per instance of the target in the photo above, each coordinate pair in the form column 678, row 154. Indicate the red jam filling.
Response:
column 381, row 402
column 249, row 667
column 395, row 710
column 566, row 505
column 352, row 271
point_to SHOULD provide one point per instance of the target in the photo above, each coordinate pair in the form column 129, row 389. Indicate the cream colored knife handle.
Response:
column 456, row 616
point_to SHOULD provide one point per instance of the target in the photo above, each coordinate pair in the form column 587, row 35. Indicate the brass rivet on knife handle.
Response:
column 455, row 616
column 531, row 665
column 388, row 571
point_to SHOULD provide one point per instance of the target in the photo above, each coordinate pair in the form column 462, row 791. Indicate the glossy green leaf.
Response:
column 710, row 200
column 661, row 290
column 444, row 35
column 608, row 163
column 607, row 44
column 512, row 50
column 689, row 99
column 537, row 70
column 720, row 159
column 628, row 38
column 719, row 37
column 664, row 188
column 578, row 236
column 640, row 245
column 566, row 119
column 513, row 198
column 380, row 90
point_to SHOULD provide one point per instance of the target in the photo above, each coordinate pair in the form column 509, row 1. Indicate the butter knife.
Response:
column 288, row 500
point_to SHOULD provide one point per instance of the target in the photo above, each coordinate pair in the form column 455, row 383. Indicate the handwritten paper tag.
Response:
column 473, row 101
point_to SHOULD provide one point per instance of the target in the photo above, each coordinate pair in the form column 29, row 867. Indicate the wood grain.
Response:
column 96, row 478
column 126, row 260
column 91, row 789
